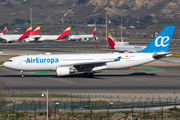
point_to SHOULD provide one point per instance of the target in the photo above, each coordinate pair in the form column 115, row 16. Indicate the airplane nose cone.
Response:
column 4, row 64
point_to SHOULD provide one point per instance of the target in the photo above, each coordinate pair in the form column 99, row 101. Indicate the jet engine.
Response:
column 96, row 38
column 62, row 71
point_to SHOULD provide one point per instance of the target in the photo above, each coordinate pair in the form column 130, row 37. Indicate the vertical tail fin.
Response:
column 94, row 32
column 161, row 42
column 64, row 34
column 4, row 31
column 111, row 41
column 36, row 31
column 26, row 34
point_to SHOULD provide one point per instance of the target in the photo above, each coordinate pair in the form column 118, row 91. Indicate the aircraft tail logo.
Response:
column 36, row 31
column 161, row 42
column 64, row 34
column 94, row 32
column 26, row 34
column 111, row 41
column 4, row 31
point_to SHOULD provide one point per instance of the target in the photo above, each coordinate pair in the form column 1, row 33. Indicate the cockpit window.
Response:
column 9, row 60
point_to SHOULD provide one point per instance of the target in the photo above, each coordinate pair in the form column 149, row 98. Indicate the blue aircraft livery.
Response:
column 42, row 60
column 117, row 59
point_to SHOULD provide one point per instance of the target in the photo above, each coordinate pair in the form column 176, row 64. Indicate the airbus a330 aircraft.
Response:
column 16, row 37
column 123, row 46
column 4, row 31
column 83, row 37
column 66, row 64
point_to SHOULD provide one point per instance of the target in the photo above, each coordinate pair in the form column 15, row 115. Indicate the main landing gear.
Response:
column 89, row 75
column 22, row 75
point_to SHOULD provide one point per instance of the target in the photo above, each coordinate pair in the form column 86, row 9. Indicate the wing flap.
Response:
column 87, row 64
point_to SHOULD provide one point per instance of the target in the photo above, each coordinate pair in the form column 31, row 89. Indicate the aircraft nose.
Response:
column 5, row 64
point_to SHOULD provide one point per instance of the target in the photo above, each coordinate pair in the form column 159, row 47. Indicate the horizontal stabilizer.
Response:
column 161, row 55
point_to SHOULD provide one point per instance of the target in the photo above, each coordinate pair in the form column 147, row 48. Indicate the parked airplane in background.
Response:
column 16, row 37
column 33, row 36
column 4, row 31
column 66, row 64
column 83, row 37
column 123, row 46
column 41, row 38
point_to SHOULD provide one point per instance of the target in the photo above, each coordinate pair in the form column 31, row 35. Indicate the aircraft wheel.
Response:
column 91, row 75
column 85, row 74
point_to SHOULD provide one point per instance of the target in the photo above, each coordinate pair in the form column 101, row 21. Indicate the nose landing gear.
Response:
column 22, row 75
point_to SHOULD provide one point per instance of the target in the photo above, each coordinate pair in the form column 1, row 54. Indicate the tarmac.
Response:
column 157, row 78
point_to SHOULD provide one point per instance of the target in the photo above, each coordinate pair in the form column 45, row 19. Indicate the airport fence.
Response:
column 75, row 106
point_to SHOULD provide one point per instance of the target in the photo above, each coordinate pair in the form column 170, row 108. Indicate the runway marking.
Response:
column 44, row 72
column 127, row 91
column 152, row 70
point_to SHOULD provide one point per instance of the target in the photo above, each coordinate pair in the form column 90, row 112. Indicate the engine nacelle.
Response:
column 61, row 71
column 86, row 39
column 96, row 38
column 26, row 40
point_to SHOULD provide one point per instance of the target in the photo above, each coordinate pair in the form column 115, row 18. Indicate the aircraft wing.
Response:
column 91, row 64
column 87, row 64
column 35, row 37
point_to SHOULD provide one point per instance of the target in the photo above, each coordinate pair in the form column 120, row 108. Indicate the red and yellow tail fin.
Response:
column 36, row 31
column 64, row 34
column 111, row 41
column 94, row 32
column 26, row 34
column 4, row 31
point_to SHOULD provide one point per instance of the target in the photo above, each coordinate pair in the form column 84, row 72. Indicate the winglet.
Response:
column 111, row 41
column 161, row 42
column 36, row 31
column 64, row 34
column 4, row 31
column 94, row 32
column 26, row 34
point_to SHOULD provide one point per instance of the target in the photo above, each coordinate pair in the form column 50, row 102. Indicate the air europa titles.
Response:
column 42, row 60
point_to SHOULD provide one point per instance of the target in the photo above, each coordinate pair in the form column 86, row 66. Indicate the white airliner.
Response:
column 123, row 46
column 33, row 36
column 83, row 37
column 16, row 37
column 4, row 31
column 40, row 38
column 66, row 64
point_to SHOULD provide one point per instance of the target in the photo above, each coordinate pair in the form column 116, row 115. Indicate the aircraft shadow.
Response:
column 80, row 75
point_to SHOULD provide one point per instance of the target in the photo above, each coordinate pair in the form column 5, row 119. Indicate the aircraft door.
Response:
column 19, row 62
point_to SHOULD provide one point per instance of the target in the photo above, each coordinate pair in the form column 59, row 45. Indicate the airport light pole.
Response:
column 30, row 16
column 106, row 23
column 121, row 25
column 46, row 93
